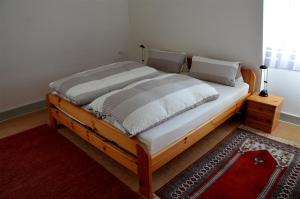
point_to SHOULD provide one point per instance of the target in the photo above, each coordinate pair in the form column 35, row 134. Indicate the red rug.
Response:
column 244, row 165
column 41, row 163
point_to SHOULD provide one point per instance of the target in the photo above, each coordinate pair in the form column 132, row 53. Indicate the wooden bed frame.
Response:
column 130, row 152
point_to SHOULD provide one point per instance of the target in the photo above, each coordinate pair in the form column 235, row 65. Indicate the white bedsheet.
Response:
column 161, row 136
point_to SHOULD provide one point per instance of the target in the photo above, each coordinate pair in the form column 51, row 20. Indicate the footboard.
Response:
column 129, row 152
column 99, row 126
column 95, row 131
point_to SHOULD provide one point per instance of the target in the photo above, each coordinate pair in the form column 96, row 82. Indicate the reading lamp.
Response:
column 264, row 92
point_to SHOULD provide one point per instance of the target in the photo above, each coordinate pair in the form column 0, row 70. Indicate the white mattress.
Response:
column 161, row 136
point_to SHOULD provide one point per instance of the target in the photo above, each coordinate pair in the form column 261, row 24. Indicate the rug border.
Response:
column 241, row 127
column 269, row 135
column 206, row 153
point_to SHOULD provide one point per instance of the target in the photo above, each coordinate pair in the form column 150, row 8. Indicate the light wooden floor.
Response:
column 163, row 175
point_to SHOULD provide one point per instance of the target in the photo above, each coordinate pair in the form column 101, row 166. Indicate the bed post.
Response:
column 52, row 120
column 144, row 172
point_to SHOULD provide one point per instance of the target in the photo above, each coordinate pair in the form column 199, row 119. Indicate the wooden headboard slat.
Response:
column 250, row 78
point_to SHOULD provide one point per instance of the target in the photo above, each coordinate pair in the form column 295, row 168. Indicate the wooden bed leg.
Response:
column 144, row 172
column 52, row 120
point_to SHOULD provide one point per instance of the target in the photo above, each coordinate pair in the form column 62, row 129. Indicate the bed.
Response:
column 145, row 153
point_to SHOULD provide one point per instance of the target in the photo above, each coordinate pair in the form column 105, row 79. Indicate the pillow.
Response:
column 223, row 72
column 166, row 61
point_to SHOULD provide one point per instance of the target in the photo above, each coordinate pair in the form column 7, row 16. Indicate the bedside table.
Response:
column 263, row 113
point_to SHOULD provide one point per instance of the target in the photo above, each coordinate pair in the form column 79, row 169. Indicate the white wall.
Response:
column 224, row 29
column 286, row 83
column 42, row 40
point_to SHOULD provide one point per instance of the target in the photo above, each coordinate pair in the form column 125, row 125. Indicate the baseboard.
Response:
column 294, row 119
column 23, row 110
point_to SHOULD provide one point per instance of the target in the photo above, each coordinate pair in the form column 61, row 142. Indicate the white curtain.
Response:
column 282, row 34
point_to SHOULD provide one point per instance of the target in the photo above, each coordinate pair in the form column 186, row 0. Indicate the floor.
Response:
column 164, row 174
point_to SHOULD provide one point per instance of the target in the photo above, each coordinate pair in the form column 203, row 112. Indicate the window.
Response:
column 282, row 34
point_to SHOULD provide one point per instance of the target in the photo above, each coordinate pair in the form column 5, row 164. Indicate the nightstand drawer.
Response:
column 259, row 125
column 261, row 117
column 261, row 108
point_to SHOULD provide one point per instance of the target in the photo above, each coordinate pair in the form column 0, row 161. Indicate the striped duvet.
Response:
column 133, row 97
column 147, row 103
column 82, row 88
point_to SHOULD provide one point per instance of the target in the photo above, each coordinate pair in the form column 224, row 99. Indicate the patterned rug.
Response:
column 244, row 165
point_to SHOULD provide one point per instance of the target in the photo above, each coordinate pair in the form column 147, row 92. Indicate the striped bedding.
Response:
column 133, row 97
column 149, row 102
column 82, row 88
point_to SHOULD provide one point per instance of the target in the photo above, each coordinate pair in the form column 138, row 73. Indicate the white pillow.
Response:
column 219, row 71
column 166, row 61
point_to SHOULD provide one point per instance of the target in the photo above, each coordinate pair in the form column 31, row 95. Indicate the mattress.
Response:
column 168, row 132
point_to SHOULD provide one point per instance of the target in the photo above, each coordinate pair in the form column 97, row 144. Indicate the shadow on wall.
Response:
column 286, row 83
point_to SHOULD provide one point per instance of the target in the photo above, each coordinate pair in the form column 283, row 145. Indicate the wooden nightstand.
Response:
column 263, row 112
